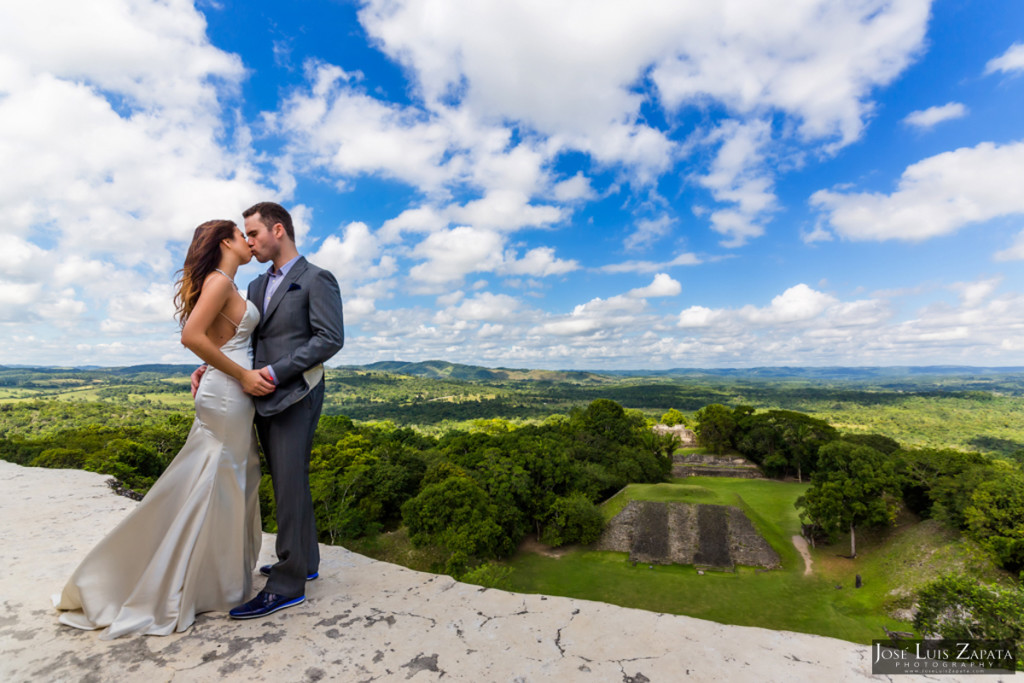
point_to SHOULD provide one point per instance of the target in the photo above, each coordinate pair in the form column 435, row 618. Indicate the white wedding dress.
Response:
column 192, row 543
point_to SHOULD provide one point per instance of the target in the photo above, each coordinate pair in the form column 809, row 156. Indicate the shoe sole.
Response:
column 309, row 577
column 283, row 605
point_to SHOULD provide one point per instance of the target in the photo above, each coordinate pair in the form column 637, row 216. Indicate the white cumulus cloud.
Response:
column 797, row 303
column 356, row 256
column 662, row 285
column 484, row 306
column 932, row 116
column 1015, row 252
column 1008, row 62
column 596, row 317
column 450, row 255
column 649, row 231
column 681, row 259
column 537, row 262
column 698, row 316
column 738, row 179
column 936, row 196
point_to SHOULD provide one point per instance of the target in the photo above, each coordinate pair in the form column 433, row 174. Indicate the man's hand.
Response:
column 255, row 383
column 196, row 376
column 267, row 375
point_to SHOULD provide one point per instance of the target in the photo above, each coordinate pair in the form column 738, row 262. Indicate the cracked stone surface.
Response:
column 363, row 620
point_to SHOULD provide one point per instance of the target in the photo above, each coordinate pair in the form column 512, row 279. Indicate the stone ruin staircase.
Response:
column 716, row 537
column 708, row 465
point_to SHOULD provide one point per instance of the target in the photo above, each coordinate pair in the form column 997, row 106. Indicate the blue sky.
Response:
column 557, row 184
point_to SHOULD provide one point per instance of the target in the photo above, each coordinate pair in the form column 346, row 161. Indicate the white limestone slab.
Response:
column 363, row 620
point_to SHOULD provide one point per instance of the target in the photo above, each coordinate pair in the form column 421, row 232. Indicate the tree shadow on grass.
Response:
column 984, row 442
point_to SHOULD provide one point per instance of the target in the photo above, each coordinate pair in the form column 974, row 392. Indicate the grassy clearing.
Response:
column 112, row 394
column 396, row 548
column 182, row 400
column 891, row 562
column 781, row 600
column 903, row 558
column 75, row 393
column 15, row 395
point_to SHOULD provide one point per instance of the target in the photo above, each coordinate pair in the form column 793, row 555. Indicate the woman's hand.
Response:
column 196, row 376
column 255, row 384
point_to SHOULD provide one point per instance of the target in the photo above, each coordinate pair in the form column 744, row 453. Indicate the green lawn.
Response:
column 781, row 600
column 825, row 603
column 93, row 392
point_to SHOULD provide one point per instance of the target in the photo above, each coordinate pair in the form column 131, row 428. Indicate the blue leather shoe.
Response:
column 265, row 570
column 263, row 604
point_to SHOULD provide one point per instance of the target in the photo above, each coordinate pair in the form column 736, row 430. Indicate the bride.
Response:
column 191, row 544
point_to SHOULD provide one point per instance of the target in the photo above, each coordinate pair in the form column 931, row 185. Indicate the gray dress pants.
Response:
column 287, row 439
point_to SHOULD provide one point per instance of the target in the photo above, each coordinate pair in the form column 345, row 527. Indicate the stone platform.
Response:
column 363, row 620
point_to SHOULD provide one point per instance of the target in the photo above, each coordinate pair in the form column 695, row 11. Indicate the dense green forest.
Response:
column 971, row 409
column 466, row 462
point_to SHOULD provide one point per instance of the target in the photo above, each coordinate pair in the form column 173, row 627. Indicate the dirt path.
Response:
column 530, row 544
column 801, row 545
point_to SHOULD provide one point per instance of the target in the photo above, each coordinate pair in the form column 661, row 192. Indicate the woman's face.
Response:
column 240, row 246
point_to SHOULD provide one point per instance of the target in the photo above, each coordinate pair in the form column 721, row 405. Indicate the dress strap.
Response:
column 230, row 321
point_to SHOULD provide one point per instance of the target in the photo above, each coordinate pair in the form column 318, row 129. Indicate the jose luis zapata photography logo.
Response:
column 942, row 657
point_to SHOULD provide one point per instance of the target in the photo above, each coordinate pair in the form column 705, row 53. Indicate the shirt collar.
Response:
column 284, row 269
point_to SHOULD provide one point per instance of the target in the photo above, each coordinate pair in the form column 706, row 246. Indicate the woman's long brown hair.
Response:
column 201, row 260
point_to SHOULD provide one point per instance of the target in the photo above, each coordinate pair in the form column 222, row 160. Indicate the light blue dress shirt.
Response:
column 276, row 277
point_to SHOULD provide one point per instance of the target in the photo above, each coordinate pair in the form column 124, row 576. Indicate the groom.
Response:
column 300, row 328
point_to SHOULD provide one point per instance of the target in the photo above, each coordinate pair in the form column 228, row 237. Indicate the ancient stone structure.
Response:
column 706, row 536
column 709, row 465
column 687, row 437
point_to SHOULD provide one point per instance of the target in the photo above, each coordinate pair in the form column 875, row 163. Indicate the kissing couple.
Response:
column 192, row 543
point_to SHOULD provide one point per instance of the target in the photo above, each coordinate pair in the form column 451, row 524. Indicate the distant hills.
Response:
column 836, row 372
column 439, row 369
column 159, row 368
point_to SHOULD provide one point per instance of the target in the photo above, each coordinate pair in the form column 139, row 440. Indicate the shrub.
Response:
column 958, row 607
column 572, row 519
column 60, row 459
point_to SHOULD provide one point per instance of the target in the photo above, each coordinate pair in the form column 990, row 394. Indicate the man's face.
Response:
column 239, row 244
column 262, row 241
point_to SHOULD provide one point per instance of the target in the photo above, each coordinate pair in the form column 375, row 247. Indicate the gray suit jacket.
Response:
column 302, row 327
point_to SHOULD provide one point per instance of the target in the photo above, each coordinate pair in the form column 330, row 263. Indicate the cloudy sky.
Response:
column 591, row 184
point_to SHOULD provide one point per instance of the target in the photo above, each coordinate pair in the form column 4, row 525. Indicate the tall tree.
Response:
column 995, row 517
column 715, row 427
column 804, row 436
column 853, row 486
column 673, row 417
column 782, row 441
column 939, row 483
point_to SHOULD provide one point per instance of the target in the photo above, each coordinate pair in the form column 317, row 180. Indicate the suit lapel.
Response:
column 293, row 273
column 257, row 290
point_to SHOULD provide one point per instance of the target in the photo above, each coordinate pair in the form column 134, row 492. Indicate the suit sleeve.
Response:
column 326, row 321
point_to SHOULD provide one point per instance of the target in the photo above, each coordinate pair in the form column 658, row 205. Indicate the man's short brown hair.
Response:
column 272, row 214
